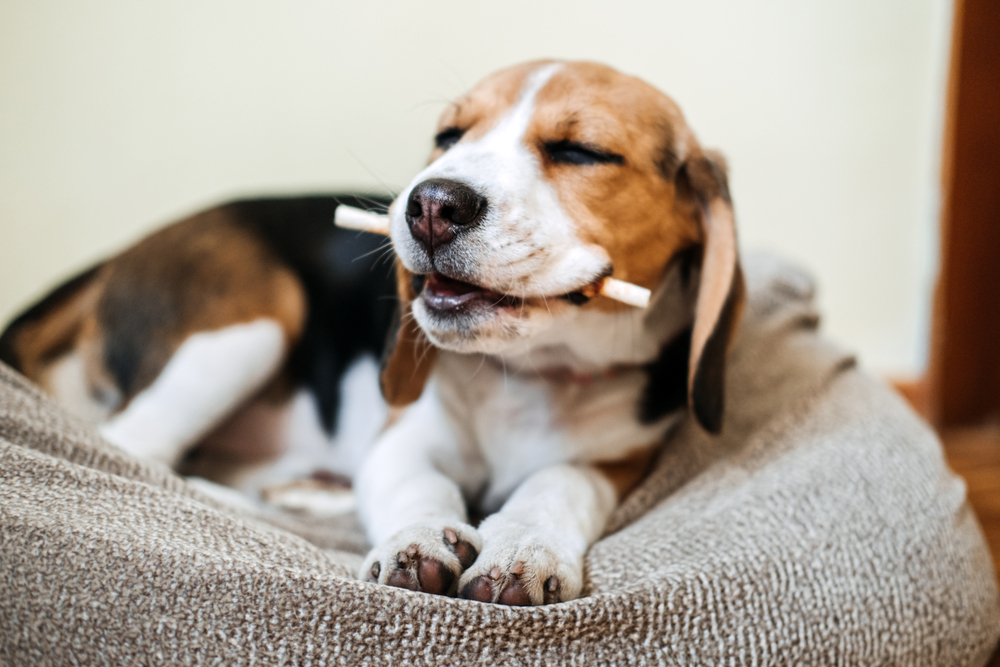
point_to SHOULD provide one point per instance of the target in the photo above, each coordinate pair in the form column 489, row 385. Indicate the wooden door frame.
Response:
column 962, row 385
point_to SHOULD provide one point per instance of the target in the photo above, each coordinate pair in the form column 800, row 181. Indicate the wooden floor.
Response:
column 974, row 453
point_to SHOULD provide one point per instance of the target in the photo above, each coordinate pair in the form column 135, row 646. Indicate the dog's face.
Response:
column 545, row 178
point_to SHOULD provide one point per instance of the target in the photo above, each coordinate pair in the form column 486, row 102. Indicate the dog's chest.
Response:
column 520, row 424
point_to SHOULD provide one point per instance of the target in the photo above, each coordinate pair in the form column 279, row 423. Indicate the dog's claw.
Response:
column 374, row 572
column 551, row 592
column 466, row 553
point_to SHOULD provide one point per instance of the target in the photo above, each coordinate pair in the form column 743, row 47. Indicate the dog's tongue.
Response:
column 444, row 293
column 444, row 286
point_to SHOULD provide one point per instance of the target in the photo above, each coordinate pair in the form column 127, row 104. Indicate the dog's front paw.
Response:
column 524, row 571
column 426, row 557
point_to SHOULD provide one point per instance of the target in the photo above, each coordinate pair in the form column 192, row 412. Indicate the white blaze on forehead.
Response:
column 526, row 241
column 515, row 124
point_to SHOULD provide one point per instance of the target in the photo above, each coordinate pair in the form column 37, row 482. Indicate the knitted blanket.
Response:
column 821, row 528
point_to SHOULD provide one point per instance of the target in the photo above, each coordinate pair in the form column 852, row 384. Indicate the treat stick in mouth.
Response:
column 349, row 217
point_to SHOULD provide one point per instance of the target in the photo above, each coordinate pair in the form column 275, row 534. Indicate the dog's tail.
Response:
column 50, row 327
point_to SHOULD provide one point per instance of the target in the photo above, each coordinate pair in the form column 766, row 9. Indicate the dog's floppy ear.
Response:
column 702, row 184
column 408, row 356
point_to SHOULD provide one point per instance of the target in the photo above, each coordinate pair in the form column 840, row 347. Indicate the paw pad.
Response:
column 417, row 571
column 511, row 589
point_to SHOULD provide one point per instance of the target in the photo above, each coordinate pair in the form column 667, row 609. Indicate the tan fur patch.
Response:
column 627, row 472
column 627, row 209
column 201, row 274
column 41, row 342
column 412, row 357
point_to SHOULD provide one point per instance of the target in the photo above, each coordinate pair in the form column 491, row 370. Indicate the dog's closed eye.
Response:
column 571, row 152
column 448, row 137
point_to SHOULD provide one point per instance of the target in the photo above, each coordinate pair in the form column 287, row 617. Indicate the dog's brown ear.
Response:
column 702, row 183
column 408, row 356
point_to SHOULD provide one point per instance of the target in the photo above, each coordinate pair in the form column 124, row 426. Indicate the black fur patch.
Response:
column 666, row 390
column 576, row 298
column 703, row 179
column 128, row 312
column 668, row 162
column 708, row 395
column 349, row 280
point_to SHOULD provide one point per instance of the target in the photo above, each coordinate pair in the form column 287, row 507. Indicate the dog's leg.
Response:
column 209, row 375
column 533, row 547
column 411, row 505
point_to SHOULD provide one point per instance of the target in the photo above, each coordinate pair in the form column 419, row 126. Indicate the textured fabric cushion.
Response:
column 822, row 528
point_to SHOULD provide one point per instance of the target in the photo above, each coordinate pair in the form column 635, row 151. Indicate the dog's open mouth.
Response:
column 447, row 295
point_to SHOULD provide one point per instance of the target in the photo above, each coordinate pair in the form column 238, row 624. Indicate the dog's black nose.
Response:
column 437, row 207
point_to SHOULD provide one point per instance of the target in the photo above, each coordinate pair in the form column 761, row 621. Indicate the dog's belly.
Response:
column 266, row 445
column 308, row 448
column 522, row 424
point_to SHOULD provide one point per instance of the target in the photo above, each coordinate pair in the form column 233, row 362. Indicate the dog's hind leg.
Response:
column 209, row 375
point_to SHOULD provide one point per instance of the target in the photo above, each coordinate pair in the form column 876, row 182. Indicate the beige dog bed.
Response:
column 823, row 528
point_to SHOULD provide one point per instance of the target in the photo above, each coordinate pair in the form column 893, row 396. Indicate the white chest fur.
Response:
column 520, row 424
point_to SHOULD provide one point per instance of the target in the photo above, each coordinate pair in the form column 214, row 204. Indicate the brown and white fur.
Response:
column 225, row 345
column 539, row 411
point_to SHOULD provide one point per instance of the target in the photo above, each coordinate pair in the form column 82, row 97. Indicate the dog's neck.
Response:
column 564, row 374
column 591, row 345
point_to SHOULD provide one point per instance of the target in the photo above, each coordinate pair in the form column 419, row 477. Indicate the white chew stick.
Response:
column 355, row 218
column 349, row 217
column 619, row 290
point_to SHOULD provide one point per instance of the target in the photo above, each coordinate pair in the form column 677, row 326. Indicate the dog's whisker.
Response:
column 482, row 362
column 380, row 249
column 387, row 254
column 430, row 101
column 376, row 205
column 392, row 192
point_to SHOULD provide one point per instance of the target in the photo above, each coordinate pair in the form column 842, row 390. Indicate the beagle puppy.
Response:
column 219, row 344
column 530, row 404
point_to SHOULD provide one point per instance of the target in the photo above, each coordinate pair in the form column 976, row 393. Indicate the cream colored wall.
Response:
column 117, row 116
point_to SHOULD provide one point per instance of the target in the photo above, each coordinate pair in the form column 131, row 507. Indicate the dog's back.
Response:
column 269, row 285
